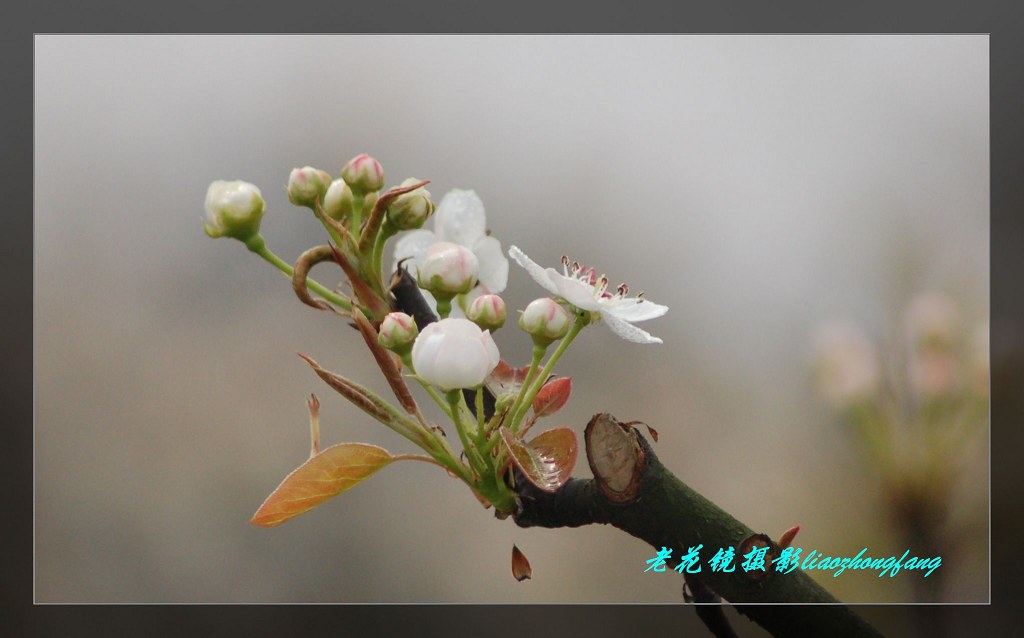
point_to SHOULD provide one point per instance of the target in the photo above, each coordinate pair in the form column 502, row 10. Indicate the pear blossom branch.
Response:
column 633, row 491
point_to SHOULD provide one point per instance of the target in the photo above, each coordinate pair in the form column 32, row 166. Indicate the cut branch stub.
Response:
column 615, row 457
column 758, row 541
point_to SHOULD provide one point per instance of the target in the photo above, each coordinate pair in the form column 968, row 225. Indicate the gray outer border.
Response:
column 1003, row 19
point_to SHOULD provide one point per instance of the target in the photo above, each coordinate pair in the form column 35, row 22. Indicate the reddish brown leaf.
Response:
column 505, row 379
column 300, row 272
column 653, row 433
column 547, row 460
column 385, row 361
column 352, row 391
column 650, row 430
column 329, row 473
column 366, row 296
column 552, row 396
column 521, row 569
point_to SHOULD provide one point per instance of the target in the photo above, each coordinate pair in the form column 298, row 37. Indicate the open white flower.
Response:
column 459, row 219
column 582, row 288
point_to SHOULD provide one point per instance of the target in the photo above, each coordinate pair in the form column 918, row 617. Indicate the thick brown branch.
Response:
column 634, row 492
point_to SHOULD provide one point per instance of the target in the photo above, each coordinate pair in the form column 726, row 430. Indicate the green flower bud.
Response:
column 487, row 311
column 338, row 200
column 410, row 210
column 448, row 270
column 307, row 185
column 545, row 320
column 233, row 209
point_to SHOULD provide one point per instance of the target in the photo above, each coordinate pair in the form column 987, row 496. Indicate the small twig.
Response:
column 709, row 608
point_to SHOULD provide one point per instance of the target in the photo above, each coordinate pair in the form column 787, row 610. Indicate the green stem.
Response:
column 357, row 212
column 582, row 320
column 258, row 245
column 479, row 414
column 444, row 307
column 442, row 403
column 538, row 354
column 387, row 231
column 472, row 455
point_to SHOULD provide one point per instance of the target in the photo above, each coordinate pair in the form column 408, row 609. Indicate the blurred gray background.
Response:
column 757, row 185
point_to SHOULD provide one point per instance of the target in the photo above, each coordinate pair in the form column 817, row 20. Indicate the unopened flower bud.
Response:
column 369, row 201
column 410, row 210
column 504, row 402
column 448, row 270
column 307, row 185
column 363, row 174
column 932, row 321
column 487, row 311
column 454, row 353
column 846, row 364
column 338, row 200
column 233, row 209
column 545, row 320
column 397, row 332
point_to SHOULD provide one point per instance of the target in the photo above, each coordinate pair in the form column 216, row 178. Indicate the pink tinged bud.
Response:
column 307, row 185
column 233, row 209
column 397, row 332
column 488, row 312
column 545, row 320
column 454, row 353
column 448, row 270
column 338, row 200
column 410, row 210
column 932, row 321
column 363, row 174
column 847, row 368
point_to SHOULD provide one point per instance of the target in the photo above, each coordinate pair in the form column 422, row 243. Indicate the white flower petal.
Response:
column 575, row 291
column 460, row 218
column 633, row 310
column 535, row 270
column 628, row 331
column 493, row 266
column 455, row 368
column 454, row 353
column 413, row 246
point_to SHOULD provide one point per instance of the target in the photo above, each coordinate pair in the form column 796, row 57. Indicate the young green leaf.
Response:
column 324, row 476
column 547, row 460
